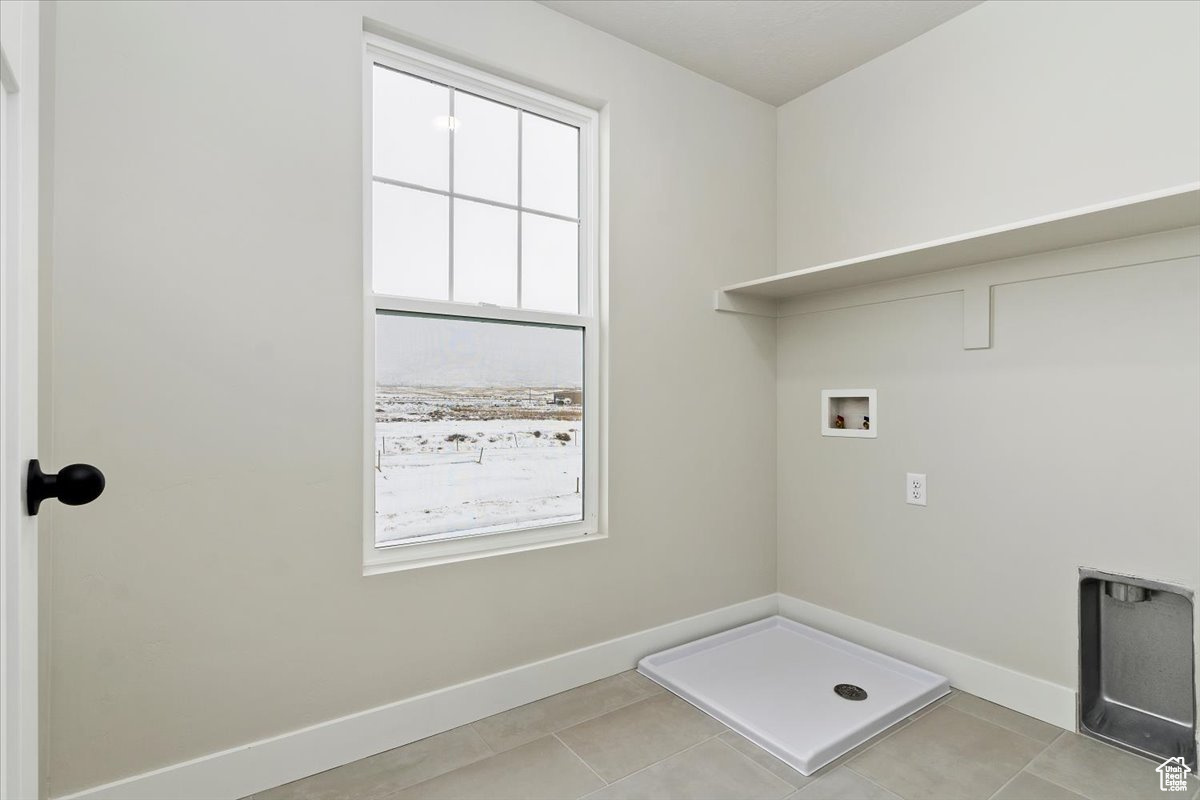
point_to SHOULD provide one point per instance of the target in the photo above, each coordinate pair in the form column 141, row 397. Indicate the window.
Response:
column 482, row 340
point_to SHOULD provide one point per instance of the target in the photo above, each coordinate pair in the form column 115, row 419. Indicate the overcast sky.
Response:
column 428, row 351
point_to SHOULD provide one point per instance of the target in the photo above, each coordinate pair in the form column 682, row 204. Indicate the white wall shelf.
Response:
column 1154, row 212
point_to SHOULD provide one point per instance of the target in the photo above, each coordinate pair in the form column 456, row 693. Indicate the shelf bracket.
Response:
column 744, row 304
column 977, row 317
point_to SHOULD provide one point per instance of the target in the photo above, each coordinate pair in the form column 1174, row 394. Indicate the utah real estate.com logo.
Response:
column 1173, row 775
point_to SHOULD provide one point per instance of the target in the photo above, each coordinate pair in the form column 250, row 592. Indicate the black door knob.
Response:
column 74, row 485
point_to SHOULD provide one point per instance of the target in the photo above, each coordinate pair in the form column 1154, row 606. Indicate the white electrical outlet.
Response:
column 914, row 489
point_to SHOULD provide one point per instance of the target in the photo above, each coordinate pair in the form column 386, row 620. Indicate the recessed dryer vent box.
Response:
column 857, row 409
column 1136, row 665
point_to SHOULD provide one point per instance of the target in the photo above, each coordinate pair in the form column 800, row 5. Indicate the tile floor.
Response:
column 623, row 738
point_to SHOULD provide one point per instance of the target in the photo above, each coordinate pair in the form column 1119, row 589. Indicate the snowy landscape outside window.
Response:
column 481, row 286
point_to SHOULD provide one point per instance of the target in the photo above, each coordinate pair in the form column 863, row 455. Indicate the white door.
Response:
column 18, row 396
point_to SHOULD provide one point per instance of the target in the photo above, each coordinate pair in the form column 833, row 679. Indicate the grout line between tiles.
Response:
column 486, row 744
column 1061, row 786
column 581, row 761
column 849, row 762
column 1026, row 765
column 656, row 763
column 565, row 727
column 392, row 791
column 755, row 764
column 871, row 781
column 1008, row 730
column 601, row 714
column 1061, row 731
column 1004, row 785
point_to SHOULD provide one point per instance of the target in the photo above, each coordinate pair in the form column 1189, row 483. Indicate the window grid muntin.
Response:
column 498, row 203
column 450, row 235
column 519, row 208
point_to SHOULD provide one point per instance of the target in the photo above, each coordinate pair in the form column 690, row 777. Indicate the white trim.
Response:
column 241, row 771
column 975, row 283
column 1033, row 696
column 19, row 205
column 451, row 73
column 411, row 305
column 977, row 316
column 394, row 558
column 376, row 560
column 1132, row 251
column 1150, row 212
column 745, row 304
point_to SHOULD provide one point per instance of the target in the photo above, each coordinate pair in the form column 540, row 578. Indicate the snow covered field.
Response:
column 460, row 461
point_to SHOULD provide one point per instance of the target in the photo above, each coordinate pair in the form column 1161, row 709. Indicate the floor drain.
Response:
column 849, row 691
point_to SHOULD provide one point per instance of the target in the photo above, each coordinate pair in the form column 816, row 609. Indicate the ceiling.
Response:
column 774, row 50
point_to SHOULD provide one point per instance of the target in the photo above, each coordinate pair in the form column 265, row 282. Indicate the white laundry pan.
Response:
column 773, row 681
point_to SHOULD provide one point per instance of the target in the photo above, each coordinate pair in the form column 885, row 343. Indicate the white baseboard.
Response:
column 1038, row 698
column 260, row 765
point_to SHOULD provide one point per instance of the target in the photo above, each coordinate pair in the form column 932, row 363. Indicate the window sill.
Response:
column 415, row 556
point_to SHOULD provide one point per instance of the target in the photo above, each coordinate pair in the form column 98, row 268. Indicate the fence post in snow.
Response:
column 480, row 461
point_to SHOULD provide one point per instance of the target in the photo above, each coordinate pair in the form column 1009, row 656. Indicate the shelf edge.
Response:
column 743, row 290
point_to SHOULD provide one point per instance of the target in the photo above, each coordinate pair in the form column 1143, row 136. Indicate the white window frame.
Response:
column 383, row 51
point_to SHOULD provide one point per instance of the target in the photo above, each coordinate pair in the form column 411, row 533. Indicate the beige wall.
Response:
column 204, row 303
column 1073, row 440
column 206, row 354
column 1009, row 111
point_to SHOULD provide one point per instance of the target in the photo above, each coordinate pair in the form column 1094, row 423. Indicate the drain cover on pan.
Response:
column 849, row 691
